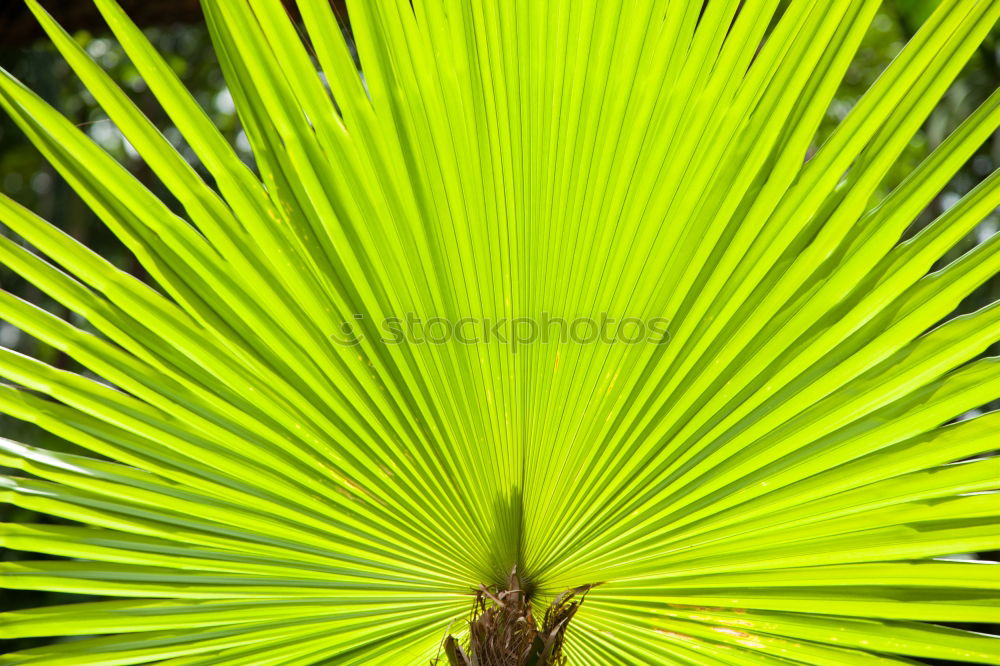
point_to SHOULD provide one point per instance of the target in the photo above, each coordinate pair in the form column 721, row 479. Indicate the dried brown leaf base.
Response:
column 503, row 632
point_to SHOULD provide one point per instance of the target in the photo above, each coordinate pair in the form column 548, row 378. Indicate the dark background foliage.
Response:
column 174, row 27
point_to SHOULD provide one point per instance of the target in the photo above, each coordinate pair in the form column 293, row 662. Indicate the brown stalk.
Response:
column 503, row 632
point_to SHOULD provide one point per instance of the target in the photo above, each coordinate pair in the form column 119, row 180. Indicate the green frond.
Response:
column 778, row 478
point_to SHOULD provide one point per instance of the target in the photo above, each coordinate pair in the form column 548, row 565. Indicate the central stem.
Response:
column 503, row 631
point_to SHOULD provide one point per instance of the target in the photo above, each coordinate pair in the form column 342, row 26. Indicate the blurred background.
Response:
column 175, row 28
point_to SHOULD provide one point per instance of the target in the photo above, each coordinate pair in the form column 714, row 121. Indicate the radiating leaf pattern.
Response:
column 774, row 482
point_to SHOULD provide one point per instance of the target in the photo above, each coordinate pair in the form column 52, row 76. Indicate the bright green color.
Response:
column 772, row 486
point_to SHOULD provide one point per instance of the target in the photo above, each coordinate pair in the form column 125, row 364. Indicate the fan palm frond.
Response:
column 774, row 477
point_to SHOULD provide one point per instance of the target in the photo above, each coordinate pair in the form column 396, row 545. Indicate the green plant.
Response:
column 770, row 483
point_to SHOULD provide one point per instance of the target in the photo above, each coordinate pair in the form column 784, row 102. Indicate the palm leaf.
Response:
column 780, row 480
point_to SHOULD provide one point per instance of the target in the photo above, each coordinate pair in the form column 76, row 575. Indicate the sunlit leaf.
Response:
column 773, row 471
